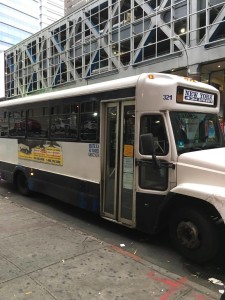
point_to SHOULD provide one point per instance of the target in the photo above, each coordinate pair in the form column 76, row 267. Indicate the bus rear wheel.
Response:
column 22, row 184
column 194, row 234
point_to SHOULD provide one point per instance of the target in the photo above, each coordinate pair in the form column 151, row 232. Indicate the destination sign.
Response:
column 198, row 97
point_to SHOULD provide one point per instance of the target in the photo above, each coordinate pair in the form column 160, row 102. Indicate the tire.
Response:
column 22, row 184
column 194, row 234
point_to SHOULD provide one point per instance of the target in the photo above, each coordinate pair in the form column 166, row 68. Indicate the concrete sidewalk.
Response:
column 41, row 259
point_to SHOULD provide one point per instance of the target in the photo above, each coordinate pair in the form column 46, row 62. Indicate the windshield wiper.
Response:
column 211, row 146
column 195, row 148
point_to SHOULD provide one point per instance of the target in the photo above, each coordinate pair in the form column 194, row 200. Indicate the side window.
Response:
column 17, row 123
column 155, row 124
column 4, row 124
column 37, row 122
column 89, row 120
column 151, row 177
column 74, row 121
column 64, row 121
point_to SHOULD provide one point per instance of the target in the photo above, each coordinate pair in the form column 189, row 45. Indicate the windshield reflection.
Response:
column 196, row 131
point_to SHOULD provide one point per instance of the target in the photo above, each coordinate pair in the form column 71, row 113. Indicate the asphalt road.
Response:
column 155, row 249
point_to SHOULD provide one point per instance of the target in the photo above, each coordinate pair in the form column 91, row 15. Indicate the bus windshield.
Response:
column 196, row 131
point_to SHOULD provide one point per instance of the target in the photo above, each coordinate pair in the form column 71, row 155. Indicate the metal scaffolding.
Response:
column 108, row 36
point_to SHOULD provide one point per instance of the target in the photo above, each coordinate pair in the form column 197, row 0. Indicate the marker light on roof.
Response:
column 151, row 76
column 190, row 79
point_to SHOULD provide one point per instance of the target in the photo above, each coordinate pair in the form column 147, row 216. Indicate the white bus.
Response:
column 144, row 151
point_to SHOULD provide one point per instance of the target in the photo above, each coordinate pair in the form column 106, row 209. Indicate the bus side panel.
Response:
column 77, row 192
column 75, row 179
column 76, row 159
column 7, row 171
column 148, row 208
column 84, row 194
column 9, row 150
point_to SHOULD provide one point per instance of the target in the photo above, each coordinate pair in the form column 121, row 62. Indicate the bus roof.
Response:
column 111, row 85
column 75, row 91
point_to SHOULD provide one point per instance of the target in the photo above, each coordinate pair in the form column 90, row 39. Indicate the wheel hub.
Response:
column 188, row 234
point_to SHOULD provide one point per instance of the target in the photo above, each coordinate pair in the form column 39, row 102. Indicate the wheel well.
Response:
column 176, row 201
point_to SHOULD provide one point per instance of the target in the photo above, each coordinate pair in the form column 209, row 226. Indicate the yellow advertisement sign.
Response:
column 44, row 152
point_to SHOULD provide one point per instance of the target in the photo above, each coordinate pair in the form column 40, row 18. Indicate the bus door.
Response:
column 118, row 166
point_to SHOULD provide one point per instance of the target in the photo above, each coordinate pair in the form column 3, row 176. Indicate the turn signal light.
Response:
column 151, row 76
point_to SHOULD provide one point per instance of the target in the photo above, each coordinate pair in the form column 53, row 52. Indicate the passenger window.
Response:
column 74, row 120
column 89, row 117
column 64, row 121
column 155, row 124
column 4, row 124
column 37, row 122
column 17, row 123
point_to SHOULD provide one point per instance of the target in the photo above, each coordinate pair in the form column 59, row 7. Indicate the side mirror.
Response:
column 147, row 147
column 147, row 144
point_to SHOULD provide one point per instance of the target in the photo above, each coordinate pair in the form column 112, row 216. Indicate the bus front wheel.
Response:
column 194, row 234
column 22, row 184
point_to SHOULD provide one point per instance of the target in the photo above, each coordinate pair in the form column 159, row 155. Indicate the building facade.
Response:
column 50, row 11
column 73, row 5
column 17, row 21
column 20, row 19
column 112, row 39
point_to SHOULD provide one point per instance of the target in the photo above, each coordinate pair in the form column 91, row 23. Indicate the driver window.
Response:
column 151, row 177
column 155, row 124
